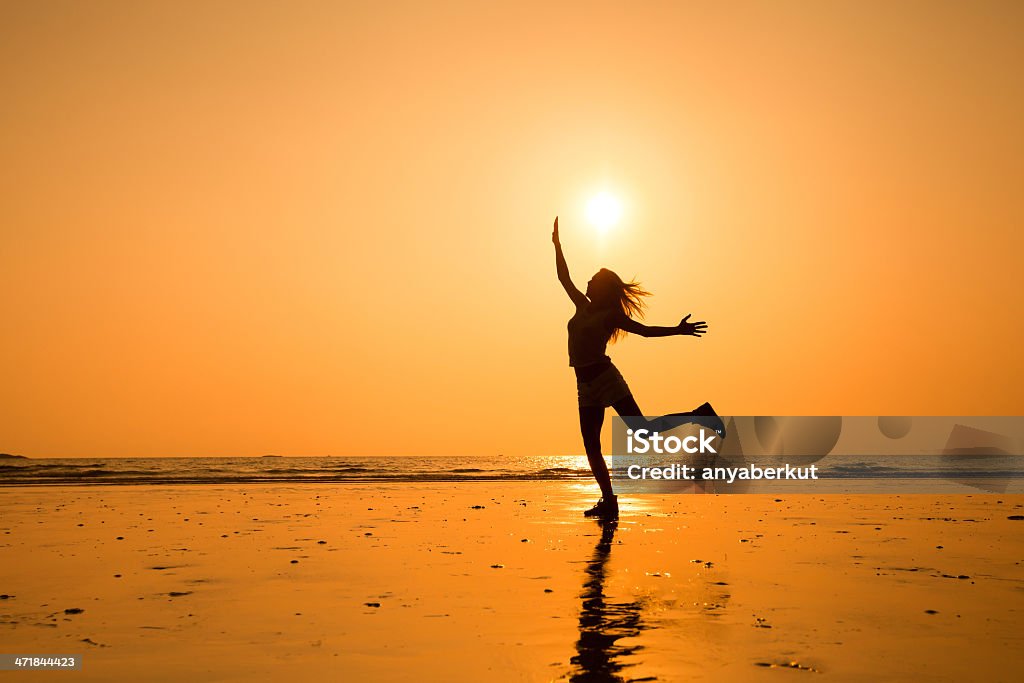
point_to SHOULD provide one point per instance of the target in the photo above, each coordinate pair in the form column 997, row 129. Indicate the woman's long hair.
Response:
column 626, row 296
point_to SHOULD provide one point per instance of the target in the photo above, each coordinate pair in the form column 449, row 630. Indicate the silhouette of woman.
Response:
column 606, row 313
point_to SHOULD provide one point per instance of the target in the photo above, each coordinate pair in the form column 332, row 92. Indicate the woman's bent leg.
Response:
column 704, row 415
column 591, row 420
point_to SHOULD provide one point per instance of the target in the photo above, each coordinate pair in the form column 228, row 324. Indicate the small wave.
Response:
column 863, row 468
column 563, row 472
column 32, row 466
column 71, row 476
column 293, row 470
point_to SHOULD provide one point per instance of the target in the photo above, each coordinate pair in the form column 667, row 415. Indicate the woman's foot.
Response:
column 607, row 508
column 703, row 415
column 711, row 418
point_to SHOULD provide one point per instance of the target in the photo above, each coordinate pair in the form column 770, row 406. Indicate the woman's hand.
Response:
column 695, row 329
column 554, row 234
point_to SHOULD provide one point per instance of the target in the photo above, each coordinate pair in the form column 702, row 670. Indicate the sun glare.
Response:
column 603, row 211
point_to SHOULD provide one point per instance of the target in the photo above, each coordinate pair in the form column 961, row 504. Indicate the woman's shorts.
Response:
column 604, row 390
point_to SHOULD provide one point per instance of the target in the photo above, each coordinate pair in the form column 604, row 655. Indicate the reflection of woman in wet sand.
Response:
column 599, row 657
column 606, row 312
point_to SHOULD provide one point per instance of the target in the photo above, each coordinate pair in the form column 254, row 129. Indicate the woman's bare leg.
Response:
column 591, row 420
column 627, row 407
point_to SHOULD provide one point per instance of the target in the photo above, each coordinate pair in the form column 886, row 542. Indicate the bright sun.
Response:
column 603, row 211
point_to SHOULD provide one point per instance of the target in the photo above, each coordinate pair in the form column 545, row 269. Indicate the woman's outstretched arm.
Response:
column 685, row 327
column 578, row 297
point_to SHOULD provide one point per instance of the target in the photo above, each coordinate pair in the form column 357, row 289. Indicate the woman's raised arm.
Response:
column 562, row 269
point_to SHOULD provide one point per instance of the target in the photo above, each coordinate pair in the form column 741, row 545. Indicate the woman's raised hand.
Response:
column 696, row 329
column 554, row 234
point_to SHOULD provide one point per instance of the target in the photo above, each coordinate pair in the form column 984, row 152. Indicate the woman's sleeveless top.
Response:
column 588, row 336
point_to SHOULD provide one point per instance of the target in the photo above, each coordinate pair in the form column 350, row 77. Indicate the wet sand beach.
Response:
column 507, row 581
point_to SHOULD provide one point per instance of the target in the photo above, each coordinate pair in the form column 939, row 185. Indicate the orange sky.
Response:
column 312, row 228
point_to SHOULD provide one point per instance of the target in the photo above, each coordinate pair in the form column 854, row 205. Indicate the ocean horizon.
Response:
column 877, row 471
